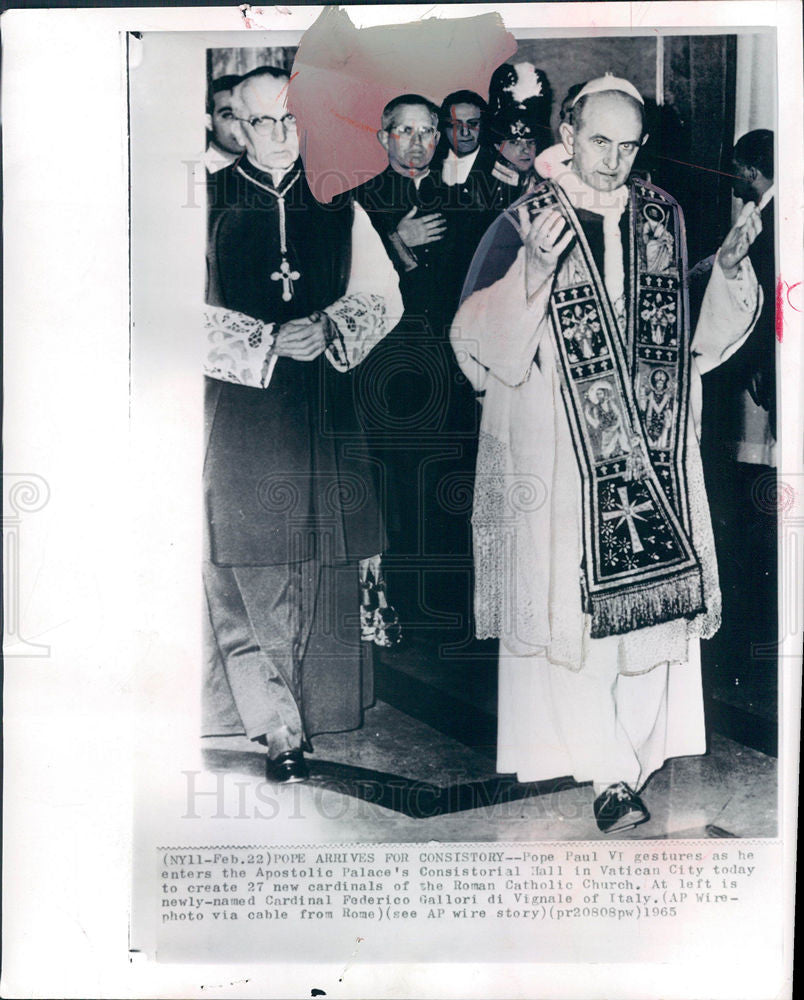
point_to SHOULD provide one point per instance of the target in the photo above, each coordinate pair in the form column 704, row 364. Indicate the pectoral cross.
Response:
column 628, row 513
column 287, row 277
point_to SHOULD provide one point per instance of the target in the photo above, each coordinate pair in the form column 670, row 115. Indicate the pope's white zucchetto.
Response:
column 608, row 82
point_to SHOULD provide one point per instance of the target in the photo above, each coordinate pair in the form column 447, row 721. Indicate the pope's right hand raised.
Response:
column 545, row 238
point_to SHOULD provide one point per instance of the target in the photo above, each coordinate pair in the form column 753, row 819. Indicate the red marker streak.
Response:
column 697, row 166
column 351, row 121
column 282, row 91
column 779, row 310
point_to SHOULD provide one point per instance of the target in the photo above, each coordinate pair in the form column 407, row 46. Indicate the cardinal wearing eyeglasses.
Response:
column 423, row 413
column 298, row 294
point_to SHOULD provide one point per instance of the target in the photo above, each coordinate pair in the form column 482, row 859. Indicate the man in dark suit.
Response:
column 739, row 440
column 465, row 159
column 753, row 181
column 466, row 167
column 223, row 146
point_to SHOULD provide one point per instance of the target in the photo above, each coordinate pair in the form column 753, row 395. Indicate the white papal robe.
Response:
column 602, row 710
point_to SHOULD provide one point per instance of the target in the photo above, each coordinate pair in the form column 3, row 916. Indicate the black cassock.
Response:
column 418, row 408
column 289, row 491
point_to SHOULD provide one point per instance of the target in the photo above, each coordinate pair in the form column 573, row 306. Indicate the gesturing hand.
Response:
column 415, row 232
column 745, row 230
column 546, row 238
column 302, row 339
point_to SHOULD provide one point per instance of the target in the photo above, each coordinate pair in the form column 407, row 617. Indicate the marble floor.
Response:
column 400, row 780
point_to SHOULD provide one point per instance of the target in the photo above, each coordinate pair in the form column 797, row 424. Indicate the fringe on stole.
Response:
column 647, row 604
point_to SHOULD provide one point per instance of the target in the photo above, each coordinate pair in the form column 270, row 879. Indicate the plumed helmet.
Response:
column 520, row 100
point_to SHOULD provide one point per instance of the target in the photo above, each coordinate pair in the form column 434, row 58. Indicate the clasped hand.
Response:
column 303, row 339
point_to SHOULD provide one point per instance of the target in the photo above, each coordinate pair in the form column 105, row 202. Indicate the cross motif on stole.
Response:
column 628, row 513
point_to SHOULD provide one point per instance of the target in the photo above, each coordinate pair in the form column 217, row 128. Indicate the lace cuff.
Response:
column 360, row 321
column 238, row 348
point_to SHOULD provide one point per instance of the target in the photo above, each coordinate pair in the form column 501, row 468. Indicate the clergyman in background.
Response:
column 418, row 409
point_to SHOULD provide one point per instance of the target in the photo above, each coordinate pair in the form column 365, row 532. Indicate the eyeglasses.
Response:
column 265, row 125
column 425, row 132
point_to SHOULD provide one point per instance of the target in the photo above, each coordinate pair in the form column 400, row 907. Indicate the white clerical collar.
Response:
column 277, row 177
column 763, row 201
column 417, row 179
column 582, row 195
column 610, row 205
column 455, row 169
column 216, row 159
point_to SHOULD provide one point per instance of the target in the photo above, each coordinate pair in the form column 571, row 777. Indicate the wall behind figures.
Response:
column 690, row 122
column 222, row 62
column 567, row 61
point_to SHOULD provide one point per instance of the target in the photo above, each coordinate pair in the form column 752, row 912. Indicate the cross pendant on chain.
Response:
column 287, row 277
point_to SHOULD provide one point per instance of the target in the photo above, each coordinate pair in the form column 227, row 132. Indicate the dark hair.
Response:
column 580, row 104
column 408, row 99
column 462, row 97
column 755, row 149
column 565, row 114
column 275, row 71
column 228, row 82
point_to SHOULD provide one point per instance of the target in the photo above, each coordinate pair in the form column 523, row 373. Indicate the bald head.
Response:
column 268, row 131
column 604, row 137
column 589, row 102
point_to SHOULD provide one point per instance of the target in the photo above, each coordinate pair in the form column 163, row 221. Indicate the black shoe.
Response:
column 288, row 767
column 619, row 808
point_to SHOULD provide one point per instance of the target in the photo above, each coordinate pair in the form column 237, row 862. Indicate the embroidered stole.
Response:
column 626, row 394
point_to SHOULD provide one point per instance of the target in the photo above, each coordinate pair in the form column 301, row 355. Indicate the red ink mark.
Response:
column 779, row 310
column 771, row 495
column 785, row 497
column 351, row 121
column 697, row 166
column 282, row 91
column 789, row 290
